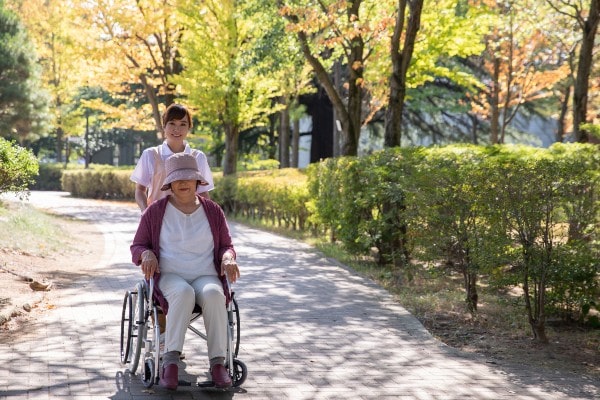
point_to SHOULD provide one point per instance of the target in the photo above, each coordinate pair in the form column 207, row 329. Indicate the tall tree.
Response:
column 222, row 76
column 587, row 19
column 428, row 63
column 23, row 102
column 54, row 30
column 516, row 64
column 329, row 31
column 406, row 26
column 279, row 55
column 137, row 41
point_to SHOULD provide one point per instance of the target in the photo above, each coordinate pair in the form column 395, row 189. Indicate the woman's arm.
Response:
column 142, row 240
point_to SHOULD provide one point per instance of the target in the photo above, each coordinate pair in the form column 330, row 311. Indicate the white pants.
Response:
column 206, row 291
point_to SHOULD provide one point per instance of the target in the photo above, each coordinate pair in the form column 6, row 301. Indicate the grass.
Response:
column 26, row 230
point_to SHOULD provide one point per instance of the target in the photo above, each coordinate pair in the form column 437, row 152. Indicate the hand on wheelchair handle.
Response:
column 149, row 264
column 230, row 268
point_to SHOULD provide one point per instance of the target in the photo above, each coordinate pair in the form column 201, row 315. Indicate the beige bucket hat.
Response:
column 181, row 167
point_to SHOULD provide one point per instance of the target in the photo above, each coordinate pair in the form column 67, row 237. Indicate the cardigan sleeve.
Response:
column 221, row 233
column 142, row 240
column 147, row 236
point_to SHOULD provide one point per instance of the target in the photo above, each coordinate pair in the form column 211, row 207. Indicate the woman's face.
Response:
column 184, row 188
column 176, row 130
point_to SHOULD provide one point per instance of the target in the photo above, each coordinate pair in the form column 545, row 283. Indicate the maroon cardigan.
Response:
column 147, row 237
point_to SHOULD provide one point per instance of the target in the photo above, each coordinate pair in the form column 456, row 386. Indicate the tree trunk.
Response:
column 535, row 312
column 495, row 100
column 355, row 96
column 272, row 149
column 400, row 64
column 59, row 144
column 564, row 108
column 474, row 128
column 153, row 101
column 231, row 149
column 284, row 136
column 295, row 142
column 580, row 95
column 471, row 288
column 337, row 81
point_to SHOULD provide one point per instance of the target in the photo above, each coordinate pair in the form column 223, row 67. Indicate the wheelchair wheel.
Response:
column 126, row 328
column 139, row 326
column 238, row 373
column 235, row 318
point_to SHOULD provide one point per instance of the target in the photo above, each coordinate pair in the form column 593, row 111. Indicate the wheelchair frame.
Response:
column 140, row 316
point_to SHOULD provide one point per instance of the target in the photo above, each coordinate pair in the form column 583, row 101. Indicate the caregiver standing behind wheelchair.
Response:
column 149, row 173
column 183, row 241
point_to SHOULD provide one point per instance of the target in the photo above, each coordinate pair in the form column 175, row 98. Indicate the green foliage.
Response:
column 223, row 76
column 327, row 202
column 592, row 129
column 254, row 164
column 277, row 197
column 386, row 208
column 545, row 203
column 18, row 167
column 574, row 281
column 517, row 215
column 22, row 101
column 49, row 177
column 448, row 198
column 99, row 182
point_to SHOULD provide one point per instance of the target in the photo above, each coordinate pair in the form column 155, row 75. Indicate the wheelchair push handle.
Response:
column 151, row 288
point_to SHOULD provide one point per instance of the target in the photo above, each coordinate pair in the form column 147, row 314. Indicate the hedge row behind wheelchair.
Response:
column 140, row 336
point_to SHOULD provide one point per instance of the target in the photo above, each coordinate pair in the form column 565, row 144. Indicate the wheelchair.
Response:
column 140, row 336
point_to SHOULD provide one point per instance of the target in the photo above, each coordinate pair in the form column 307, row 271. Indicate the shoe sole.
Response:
column 167, row 387
column 223, row 386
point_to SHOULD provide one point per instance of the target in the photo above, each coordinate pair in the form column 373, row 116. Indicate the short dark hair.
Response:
column 176, row 111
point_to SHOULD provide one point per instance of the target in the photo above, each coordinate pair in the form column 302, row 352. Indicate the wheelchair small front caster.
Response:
column 148, row 374
column 239, row 372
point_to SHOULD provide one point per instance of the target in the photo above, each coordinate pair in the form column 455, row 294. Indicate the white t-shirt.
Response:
column 150, row 175
column 186, row 244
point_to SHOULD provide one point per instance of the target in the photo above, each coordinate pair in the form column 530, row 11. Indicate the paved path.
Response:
column 311, row 329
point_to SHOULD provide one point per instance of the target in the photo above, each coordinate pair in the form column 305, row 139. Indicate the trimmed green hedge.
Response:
column 518, row 215
column 278, row 196
column 99, row 182
column 49, row 177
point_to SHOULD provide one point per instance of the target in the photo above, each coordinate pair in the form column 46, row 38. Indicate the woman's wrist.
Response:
column 146, row 254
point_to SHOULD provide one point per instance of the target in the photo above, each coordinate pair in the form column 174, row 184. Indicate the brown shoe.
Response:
column 170, row 377
column 220, row 376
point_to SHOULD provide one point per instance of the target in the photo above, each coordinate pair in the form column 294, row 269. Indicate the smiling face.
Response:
column 184, row 189
column 176, row 130
column 177, row 123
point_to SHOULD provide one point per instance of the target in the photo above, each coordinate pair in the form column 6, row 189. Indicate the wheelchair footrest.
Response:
column 211, row 385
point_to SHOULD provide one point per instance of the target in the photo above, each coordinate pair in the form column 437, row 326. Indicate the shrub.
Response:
column 18, row 167
column 49, row 177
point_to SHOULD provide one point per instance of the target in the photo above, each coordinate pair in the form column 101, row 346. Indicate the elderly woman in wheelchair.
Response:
column 183, row 242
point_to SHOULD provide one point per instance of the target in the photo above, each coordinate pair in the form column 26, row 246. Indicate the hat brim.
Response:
column 183, row 175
